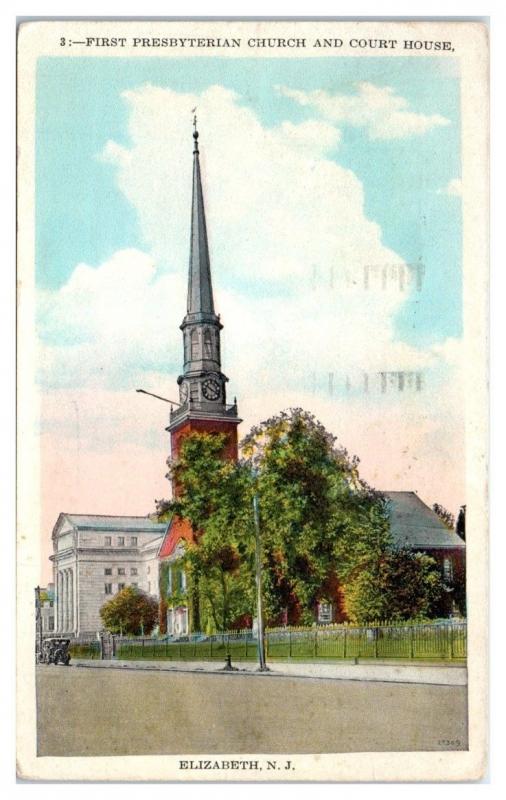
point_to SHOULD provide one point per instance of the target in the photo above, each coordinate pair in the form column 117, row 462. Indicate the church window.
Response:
column 133, row 571
column 194, row 345
column 108, row 541
column 447, row 569
column 182, row 580
column 208, row 344
column 121, row 541
column 108, row 588
column 121, row 571
column 121, row 586
column 108, row 571
column 133, row 541
column 324, row 612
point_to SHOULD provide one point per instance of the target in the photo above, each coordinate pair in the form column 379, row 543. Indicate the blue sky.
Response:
column 83, row 216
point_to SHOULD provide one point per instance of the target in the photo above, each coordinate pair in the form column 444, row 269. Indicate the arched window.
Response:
column 194, row 345
column 208, row 344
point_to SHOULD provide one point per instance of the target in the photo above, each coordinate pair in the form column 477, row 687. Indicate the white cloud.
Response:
column 109, row 324
column 385, row 114
column 452, row 188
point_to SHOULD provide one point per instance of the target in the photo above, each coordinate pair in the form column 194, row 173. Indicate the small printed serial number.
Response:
column 449, row 742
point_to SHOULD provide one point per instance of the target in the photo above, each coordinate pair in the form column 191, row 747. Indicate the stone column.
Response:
column 71, row 600
column 59, row 596
column 65, row 600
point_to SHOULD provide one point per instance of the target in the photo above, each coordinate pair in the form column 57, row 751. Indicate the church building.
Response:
column 202, row 391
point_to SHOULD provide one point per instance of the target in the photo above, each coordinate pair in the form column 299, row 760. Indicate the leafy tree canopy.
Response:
column 319, row 522
column 131, row 612
column 444, row 515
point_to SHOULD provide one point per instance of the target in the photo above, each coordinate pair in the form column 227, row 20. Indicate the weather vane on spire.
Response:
column 195, row 131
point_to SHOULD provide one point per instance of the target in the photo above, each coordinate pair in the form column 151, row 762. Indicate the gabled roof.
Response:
column 413, row 524
column 106, row 523
column 178, row 529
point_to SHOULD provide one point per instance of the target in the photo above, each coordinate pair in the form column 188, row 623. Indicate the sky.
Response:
column 332, row 190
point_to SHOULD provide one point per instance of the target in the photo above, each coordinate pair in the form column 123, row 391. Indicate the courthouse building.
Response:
column 94, row 557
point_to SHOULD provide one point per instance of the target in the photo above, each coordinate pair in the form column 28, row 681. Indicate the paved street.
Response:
column 88, row 712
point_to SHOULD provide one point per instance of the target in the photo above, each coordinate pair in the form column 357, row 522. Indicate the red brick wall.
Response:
column 206, row 426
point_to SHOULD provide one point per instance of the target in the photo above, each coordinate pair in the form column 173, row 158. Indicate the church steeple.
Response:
column 200, row 290
column 202, row 385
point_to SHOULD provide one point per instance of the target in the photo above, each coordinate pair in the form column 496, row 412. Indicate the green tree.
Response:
column 444, row 515
column 131, row 611
column 213, row 495
column 321, row 526
column 399, row 585
column 318, row 518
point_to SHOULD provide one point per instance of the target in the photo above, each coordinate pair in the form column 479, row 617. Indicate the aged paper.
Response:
column 339, row 201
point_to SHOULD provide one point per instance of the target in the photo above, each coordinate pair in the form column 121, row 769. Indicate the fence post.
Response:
column 344, row 652
column 179, row 649
column 451, row 641
column 315, row 642
column 166, row 648
column 142, row 649
column 411, row 642
column 211, row 646
column 289, row 643
column 376, row 634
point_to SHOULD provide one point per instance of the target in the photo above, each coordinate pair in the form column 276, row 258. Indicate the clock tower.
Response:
column 202, row 385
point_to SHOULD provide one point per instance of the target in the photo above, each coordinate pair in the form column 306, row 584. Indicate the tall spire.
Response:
column 200, row 290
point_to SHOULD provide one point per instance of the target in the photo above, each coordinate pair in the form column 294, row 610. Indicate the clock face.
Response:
column 211, row 389
column 183, row 392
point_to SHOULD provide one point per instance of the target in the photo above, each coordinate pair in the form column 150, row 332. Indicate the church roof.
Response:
column 413, row 524
column 200, row 290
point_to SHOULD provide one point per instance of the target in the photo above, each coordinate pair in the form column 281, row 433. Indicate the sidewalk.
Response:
column 437, row 674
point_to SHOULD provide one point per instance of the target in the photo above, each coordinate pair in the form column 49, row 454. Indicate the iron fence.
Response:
column 437, row 641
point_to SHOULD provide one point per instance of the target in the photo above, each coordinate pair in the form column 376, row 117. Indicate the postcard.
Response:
column 252, row 416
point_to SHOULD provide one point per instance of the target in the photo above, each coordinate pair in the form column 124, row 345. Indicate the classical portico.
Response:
column 65, row 600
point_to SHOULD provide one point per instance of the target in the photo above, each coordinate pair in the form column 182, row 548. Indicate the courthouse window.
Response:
column 108, row 571
column 121, row 541
column 121, row 571
column 133, row 541
column 133, row 571
column 108, row 541
column 108, row 588
column 121, row 586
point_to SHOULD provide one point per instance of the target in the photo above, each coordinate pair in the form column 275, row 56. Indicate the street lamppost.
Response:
column 258, row 580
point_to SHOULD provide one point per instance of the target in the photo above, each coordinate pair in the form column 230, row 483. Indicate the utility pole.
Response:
column 258, row 579
column 38, row 619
